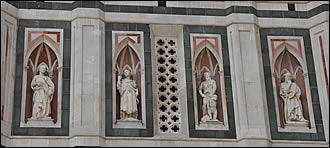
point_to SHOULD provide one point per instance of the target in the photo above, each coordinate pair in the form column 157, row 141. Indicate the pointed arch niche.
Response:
column 128, row 54
column 42, row 45
column 287, row 55
column 207, row 57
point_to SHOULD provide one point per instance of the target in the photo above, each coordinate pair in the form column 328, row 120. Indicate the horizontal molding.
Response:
column 12, row 138
column 169, row 10
column 144, row 18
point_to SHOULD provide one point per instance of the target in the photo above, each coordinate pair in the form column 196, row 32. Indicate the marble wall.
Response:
column 243, row 29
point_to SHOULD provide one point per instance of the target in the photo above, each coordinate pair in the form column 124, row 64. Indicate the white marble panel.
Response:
column 87, row 99
column 272, row 6
column 197, row 4
column 239, row 3
column 249, row 96
column 8, row 68
column 317, row 32
column 132, row 3
column 60, row 1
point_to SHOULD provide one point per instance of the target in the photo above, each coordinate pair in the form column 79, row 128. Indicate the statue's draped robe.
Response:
column 128, row 93
column 43, row 88
column 290, row 92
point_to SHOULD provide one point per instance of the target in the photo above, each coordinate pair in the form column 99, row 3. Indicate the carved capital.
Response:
column 221, row 72
column 274, row 74
column 26, row 68
column 60, row 69
column 114, row 69
column 305, row 74
column 194, row 72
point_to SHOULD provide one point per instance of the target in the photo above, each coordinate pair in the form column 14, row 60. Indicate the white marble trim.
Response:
column 59, row 55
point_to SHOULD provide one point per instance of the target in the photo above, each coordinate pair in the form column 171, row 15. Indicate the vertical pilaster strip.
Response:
column 87, row 80
column 320, row 46
column 8, row 62
column 247, row 73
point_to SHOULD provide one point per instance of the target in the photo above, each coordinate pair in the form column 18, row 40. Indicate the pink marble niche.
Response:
column 288, row 61
column 128, row 55
column 207, row 57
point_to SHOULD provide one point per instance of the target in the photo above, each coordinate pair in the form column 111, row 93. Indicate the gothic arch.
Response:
column 290, row 50
column 210, row 48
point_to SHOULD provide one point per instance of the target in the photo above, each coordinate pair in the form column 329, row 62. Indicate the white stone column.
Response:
column 320, row 41
column 249, row 94
column 8, row 66
column 87, row 99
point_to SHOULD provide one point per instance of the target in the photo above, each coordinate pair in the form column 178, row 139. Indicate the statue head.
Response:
column 288, row 76
column 42, row 67
column 127, row 73
column 207, row 76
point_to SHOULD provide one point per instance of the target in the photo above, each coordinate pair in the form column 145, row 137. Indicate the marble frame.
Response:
column 139, row 50
column 306, row 79
column 59, row 55
column 225, row 124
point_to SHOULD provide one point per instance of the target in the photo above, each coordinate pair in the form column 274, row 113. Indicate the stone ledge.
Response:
column 77, row 140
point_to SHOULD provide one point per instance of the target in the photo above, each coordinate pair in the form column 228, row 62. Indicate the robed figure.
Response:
column 290, row 93
column 128, row 97
column 43, row 88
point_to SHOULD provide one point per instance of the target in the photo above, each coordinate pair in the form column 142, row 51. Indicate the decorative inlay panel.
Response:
column 168, row 102
column 324, row 64
column 291, row 84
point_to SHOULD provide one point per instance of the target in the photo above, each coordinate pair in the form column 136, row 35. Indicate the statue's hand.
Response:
column 119, row 77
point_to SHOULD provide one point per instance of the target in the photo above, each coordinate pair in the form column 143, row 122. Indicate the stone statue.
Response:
column 128, row 97
column 207, row 91
column 290, row 93
column 43, row 88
